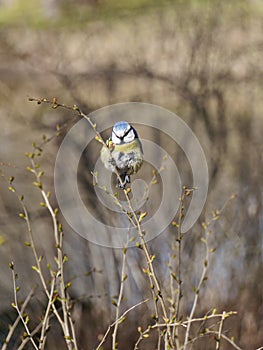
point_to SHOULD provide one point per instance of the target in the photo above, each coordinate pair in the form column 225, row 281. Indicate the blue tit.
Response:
column 124, row 152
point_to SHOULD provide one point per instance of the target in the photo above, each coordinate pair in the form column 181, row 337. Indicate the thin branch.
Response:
column 143, row 335
column 16, row 306
column 198, row 319
column 175, row 299
column 118, row 320
column 220, row 330
column 26, row 340
column 230, row 341
column 123, row 278
column 201, row 281
column 14, row 325
column 45, row 322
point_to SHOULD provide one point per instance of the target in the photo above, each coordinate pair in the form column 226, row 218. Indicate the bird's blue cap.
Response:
column 121, row 126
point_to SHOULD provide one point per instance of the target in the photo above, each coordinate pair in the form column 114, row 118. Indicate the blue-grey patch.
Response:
column 120, row 155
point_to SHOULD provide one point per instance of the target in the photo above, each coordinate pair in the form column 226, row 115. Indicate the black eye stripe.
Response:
column 127, row 132
column 116, row 134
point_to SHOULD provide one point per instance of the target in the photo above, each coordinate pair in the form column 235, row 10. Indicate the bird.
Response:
column 123, row 153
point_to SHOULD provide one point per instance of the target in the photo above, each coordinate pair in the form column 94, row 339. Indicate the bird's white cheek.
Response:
column 115, row 139
column 129, row 138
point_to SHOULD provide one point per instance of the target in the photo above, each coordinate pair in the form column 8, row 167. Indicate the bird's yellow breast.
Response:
column 128, row 147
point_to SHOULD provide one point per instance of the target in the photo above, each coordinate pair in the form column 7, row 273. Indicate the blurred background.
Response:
column 200, row 59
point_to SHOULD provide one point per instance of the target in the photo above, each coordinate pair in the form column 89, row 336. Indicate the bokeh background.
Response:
column 200, row 59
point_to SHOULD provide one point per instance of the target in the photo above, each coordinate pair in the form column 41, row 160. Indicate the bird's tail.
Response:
column 125, row 179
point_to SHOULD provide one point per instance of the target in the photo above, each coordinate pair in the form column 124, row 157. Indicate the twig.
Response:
column 26, row 340
column 177, row 276
column 118, row 320
column 198, row 319
column 143, row 335
column 45, row 322
column 230, row 341
column 220, row 330
column 14, row 325
column 197, row 290
column 154, row 283
column 123, row 278
column 16, row 306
